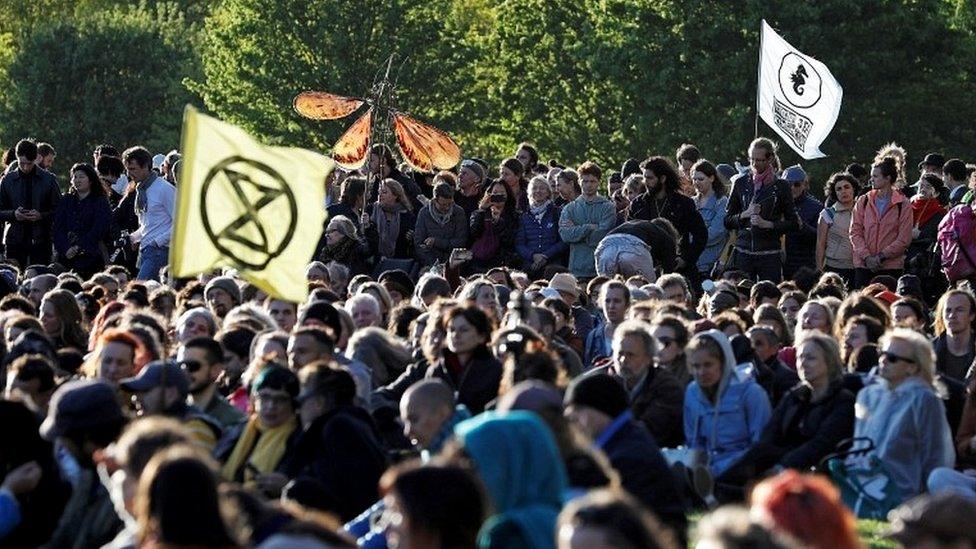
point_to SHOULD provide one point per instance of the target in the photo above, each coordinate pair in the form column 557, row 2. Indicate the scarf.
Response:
column 763, row 177
column 388, row 229
column 539, row 211
column 924, row 209
column 260, row 447
column 142, row 199
column 340, row 251
column 439, row 218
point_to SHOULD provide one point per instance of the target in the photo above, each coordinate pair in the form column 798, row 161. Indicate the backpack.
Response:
column 957, row 240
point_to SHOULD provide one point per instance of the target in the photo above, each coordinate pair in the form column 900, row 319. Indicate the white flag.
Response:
column 798, row 96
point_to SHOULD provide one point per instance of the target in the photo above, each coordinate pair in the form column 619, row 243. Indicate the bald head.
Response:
column 424, row 408
column 40, row 285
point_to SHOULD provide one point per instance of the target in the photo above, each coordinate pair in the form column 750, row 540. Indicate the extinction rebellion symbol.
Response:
column 251, row 236
column 799, row 81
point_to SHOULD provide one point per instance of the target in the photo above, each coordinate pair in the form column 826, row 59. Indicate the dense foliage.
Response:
column 602, row 79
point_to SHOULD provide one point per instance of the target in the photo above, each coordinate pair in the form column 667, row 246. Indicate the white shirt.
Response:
column 156, row 223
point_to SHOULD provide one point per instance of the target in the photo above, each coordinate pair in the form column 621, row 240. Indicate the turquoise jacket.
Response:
column 582, row 240
column 516, row 457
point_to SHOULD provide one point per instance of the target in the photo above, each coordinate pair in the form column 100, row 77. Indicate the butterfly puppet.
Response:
column 423, row 146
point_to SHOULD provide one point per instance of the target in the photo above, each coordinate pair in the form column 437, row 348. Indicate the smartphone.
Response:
column 497, row 199
column 464, row 254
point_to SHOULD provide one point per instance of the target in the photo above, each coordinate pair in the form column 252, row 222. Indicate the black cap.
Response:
column 600, row 392
column 158, row 373
column 932, row 159
column 81, row 404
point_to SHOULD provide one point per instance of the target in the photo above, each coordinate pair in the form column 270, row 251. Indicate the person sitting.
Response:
column 441, row 226
column 597, row 405
column 492, row 229
column 389, row 223
column 342, row 243
column 339, row 446
column 770, row 372
column 810, row 420
column 256, row 453
column 467, row 364
column 609, row 518
column 724, row 412
column 903, row 415
column 655, row 395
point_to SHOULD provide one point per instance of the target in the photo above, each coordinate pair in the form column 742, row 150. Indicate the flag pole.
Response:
column 758, row 82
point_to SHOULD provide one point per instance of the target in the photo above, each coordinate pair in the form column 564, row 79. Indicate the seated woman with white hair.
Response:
column 903, row 415
column 341, row 242
column 365, row 310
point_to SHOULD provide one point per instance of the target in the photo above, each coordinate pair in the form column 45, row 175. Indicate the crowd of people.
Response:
column 552, row 357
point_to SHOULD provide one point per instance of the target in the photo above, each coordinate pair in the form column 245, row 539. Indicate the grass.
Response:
column 871, row 532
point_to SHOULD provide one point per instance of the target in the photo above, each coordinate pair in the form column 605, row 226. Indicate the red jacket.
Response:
column 889, row 234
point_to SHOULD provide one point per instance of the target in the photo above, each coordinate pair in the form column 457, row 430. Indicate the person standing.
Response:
column 81, row 223
column 881, row 227
column 29, row 196
column 835, row 253
column 155, row 207
column 711, row 198
column 801, row 242
column 761, row 210
column 664, row 199
column 585, row 221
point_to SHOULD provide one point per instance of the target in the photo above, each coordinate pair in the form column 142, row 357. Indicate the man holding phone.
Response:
column 28, row 198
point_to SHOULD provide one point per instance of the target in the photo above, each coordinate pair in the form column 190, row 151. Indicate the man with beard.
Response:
column 222, row 295
column 202, row 358
column 161, row 389
column 761, row 210
column 664, row 199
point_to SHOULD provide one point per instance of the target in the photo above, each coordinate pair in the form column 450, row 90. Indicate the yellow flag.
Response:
column 249, row 206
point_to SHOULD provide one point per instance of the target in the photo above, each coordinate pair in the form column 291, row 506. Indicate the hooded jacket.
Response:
column 889, row 233
column 724, row 430
column 516, row 457
column 909, row 429
column 582, row 239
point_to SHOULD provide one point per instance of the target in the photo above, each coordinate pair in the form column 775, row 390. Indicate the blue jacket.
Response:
column 533, row 237
column 597, row 344
column 713, row 214
column 582, row 240
column 516, row 457
column 727, row 429
column 909, row 429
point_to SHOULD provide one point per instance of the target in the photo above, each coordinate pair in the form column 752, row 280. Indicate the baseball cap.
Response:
column 80, row 404
column 159, row 373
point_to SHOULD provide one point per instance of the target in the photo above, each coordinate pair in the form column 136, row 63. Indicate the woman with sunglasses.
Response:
column 903, row 415
column 342, row 243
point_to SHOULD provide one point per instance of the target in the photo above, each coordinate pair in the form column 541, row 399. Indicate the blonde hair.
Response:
column 898, row 153
column 829, row 347
column 397, row 189
column 939, row 324
column 922, row 352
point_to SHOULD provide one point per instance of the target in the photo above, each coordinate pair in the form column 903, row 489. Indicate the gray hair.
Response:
column 364, row 298
column 922, row 351
column 384, row 353
column 639, row 329
column 202, row 312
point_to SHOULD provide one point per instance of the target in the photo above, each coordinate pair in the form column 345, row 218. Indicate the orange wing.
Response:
column 425, row 147
column 350, row 150
column 325, row 106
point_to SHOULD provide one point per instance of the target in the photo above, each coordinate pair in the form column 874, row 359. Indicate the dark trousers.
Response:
column 846, row 274
column 38, row 253
column 862, row 277
column 759, row 267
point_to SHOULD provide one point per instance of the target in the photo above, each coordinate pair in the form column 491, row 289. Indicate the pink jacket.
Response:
column 889, row 234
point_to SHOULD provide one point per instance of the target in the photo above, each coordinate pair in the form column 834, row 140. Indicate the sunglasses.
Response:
column 892, row 357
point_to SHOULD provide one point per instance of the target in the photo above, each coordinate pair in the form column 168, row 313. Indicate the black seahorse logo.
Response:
column 799, row 78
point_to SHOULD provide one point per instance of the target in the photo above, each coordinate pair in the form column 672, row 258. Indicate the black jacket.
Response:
column 342, row 451
column 800, row 433
column 681, row 211
column 645, row 474
column 775, row 378
column 776, row 205
column 44, row 197
column 658, row 403
column 477, row 384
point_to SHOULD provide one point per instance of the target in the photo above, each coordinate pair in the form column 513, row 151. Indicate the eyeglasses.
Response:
column 892, row 357
column 272, row 400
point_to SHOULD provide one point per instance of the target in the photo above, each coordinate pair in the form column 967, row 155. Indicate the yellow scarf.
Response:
column 258, row 450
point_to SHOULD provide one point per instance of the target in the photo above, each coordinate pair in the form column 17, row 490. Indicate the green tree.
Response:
column 111, row 77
